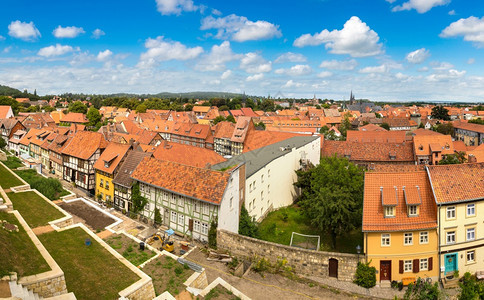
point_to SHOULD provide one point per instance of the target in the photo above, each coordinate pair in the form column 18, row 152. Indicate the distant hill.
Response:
column 8, row 91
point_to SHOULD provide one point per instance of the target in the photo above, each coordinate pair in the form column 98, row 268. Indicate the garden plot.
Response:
column 167, row 274
column 129, row 249
column 88, row 215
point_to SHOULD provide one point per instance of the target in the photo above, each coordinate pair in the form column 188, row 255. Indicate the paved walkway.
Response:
column 42, row 229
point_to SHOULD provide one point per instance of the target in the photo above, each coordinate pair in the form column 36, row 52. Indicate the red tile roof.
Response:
column 469, row 126
column 84, row 144
column 371, row 127
column 74, row 118
column 373, row 211
column 224, row 130
column 260, row 138
column 427, row 144
column 4, row 111
column 456, row 183
column 203, row 184
column 376, row 136
column 187, row 155
column 112, row 155
column 370, row 152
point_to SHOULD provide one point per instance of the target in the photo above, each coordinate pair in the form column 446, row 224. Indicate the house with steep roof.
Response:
column 190, row 198
column 6, row 112
column 471, row 134
column 14, row 141
column 74, row 118
column 430, row 149
column 400, row 226
column 376, row 136
column 106, row 169
column 55, row 154
column 458, row 191
column 8, row 127
column 187, row 155
column 79, row 157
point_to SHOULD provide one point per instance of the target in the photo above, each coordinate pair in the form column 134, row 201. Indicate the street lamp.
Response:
column 358, row 251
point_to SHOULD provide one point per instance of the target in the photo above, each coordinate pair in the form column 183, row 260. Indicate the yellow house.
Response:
column 400, row 227
column 459, row 194
column 106, row 167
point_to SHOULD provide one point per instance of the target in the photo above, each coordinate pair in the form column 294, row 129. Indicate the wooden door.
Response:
column 386, row 270
column 333, row 267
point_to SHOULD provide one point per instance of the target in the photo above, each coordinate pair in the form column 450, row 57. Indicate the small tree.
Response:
column 365, row 275
column 453, row 159
column 158, row 219
column 78, row 107
column 212, row 235
column 93, row 116
column 385, row 126
column 3, row 144
column 440, row 113
column 230, row 119
column 421, row 290
column 138, row 201
column 218, row 119
column 247, row 225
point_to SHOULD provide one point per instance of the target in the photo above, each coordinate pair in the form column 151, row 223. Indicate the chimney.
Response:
column 472, row 158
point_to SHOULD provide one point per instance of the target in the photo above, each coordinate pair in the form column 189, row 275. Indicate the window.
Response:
column 451, row 212
column 471, row 256
column 424, row 237
column 412, row 210
column 173, row 216
column 196, row 226
column 424, row 264
column 268, row 173
column 101, row 183
column 196, row 207
column 250, row 187
column 268, row 188
column 385, row 239
column 173, row 199
column 470, row 234
column 205, row 209
column 107, row 185
column 262, row 178
column 450, row 237
column 204, row 228
column 231, row 202
column 407, row 266
column 471, row 210
column 408, row 238
column 181, row 219
column 389, row 211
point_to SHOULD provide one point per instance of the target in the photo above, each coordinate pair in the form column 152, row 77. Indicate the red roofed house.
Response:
column 76, row 118
column 189, row 198
column 79, row 157
column 187, row 155
column 400, row 226
column 6, row 112
column 430, row 149
column 471, row 134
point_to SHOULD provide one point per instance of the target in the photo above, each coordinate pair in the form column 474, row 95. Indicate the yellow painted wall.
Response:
column 398, row 251
column 103, row 189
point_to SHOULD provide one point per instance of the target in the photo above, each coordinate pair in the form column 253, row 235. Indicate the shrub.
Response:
column 178, row 271
column 421, row 290
column 13, row 162
column 365, row 275
column 212, row 235
column 247, row 225
column 285, row 215
column 49, row 187
column 261, row 265
column 470, row 288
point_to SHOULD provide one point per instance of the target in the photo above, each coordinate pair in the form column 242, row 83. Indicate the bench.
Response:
column 407, row 280
column 480, row 275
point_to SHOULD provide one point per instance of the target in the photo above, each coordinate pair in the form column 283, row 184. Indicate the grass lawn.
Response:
column 167, row 274
column 274, row 229
column 7, row 179
column 17, row 251
column 49, row 187
column 129, row 249
column 13, row 162
column 34, row 209
column 90, row 271
column 220, row 293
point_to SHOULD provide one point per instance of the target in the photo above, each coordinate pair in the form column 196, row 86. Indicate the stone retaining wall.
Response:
column 147, row 291
column 306, row 262
column 46, row 287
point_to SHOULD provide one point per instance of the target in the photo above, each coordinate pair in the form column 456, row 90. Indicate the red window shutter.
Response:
column 416, row 265
column 400, row 265
column 431, row 263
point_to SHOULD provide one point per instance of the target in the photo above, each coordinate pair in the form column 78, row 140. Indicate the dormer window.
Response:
column 106, row 164
column 420, row 147
column 412, row 210
column 389, row 211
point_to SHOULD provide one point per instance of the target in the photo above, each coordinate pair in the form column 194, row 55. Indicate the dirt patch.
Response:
column 4, row 289
column 268, row 286
column 42, row 229
column 129, row 249
column 167, row 274
column 88, row 215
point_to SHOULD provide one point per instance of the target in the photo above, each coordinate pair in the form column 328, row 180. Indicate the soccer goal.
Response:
column 305, row 241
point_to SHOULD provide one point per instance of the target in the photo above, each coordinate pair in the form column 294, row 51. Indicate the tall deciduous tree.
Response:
column 78, row 107
column 334, row 197
column 440, row 113
column 93, row 116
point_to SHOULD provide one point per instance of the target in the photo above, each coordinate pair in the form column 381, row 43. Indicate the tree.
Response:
column 78, row 107
column 334, row 198
column 421, row 126
column 212, row 234
column 230, row 118
column 477, row 121
column 158, row 219
column 324, row 130
column 345, row 125
column 93, row 116
column 440, row 113
column 3, row 144
column 385, row 126
column 454, row 159
column 247, row 225
column 141, row 108
column 260, row 126
column 138, row 201
column 10, row 102
column 445, row 128
column 365, row 275
column 470, row 288
column 218, row 119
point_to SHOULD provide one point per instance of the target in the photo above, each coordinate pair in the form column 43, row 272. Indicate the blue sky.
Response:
column 380, row 49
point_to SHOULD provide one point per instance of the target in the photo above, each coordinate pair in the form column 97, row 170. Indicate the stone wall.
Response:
column 304, row 262
column 197, row 280
column 48, row 286
column 147, row 291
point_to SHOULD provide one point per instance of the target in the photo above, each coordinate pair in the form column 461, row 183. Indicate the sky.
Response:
column 383, row 50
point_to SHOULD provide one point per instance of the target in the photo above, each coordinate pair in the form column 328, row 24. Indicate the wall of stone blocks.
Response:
column 304, row 262
column 50, row 287
column 147, row 291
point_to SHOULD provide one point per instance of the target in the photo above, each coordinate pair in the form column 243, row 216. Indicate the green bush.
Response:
column 212, row 235
column 247, row 225
column 365, row 275
column 421, row 290
column 470, row 288
column 13, row 162
column 49, row 187
column 178, row 271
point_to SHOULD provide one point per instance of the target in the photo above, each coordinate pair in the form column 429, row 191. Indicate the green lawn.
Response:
column 7, row 179
column 13, row 162
column 49, row 187
column 90, row 271
column 17, row 251
column 34, row 209
column 275, row 229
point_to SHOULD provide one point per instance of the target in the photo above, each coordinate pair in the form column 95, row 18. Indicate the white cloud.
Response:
column 7, row 49
column 423, row 69
column 217, row 58
column 325, row 74
column 254, row 63
column 67, row 32
column 376, row 69
column 390, row 1
column 226, row 74
column 355, row 39
column 162, row 50
column 23, row 30
column 471, row 61
column 421, row 6
column 56, row 50
column 401, row 76
column 296, row 70
column 446, row 75
column 255, row 77
column 241, row 29
column 439, row 66
column 291, row 83
column 175, row 7
column 452, row 13
column 472, row 29
column 290, row 57
column 2, row 38
column 104, row 55
column 216, row 12
column 418, row 56
column 97, row 33
column 342, row 65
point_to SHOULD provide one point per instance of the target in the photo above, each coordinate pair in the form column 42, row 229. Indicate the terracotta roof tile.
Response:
column 84, row 144
column 469, row 126
column 112, row 156
column 187, row 155
column 455, row 183
column 203, row 184
column 426, row 144
column 260, row 138
column 370, row 152
column 373, row 211
column 224, row 130
column 74, row 118
column 376, row 136
column 123, row 177
column 371, row 127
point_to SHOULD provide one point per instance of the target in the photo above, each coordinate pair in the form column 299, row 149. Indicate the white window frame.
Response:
column 450, row 237
column 450, row 212
column 196, row 225
column 174, row 218
column 181, row 219
column 411, row 212
column 470, row 234
column 389, row 211
column 407, row 266
column 385, row 240
column 204, row 228
column 471, row 210
column 424, row 237
column 472, row 254
column 408, row 239
column 424, row 264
